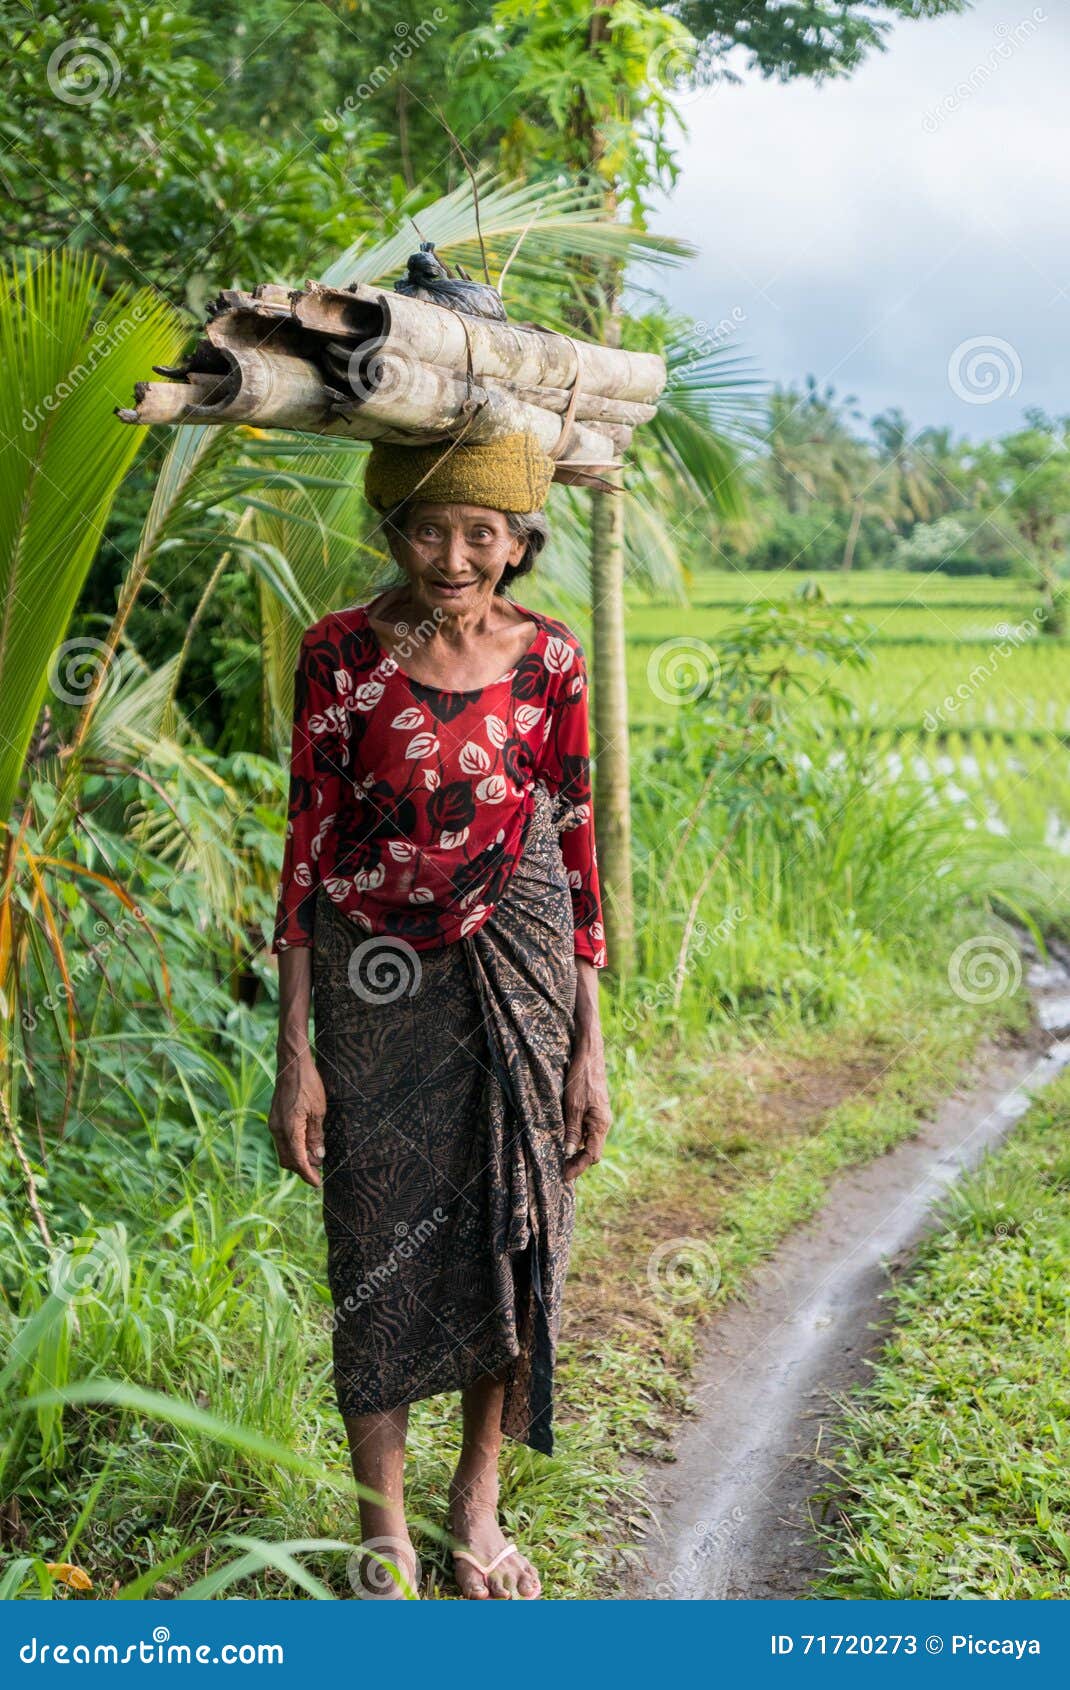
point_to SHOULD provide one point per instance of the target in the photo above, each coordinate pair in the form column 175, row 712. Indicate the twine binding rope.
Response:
column 570, row 409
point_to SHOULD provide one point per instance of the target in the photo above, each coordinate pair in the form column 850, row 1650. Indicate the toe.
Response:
column 470, row 1581
column 528, row 1583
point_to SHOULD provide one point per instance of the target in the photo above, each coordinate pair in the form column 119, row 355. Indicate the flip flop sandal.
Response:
column 502, row 1555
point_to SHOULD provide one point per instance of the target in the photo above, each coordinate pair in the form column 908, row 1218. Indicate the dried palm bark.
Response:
column 371, row 365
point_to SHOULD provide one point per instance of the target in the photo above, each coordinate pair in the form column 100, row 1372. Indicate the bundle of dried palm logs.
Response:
column 401, row 366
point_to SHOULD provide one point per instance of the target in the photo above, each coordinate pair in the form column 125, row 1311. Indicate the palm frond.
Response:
column 707, row 414
column 68, row 359
column 557, row 222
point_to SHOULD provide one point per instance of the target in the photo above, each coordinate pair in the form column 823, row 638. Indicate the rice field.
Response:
column 962, row 689
column 880, row 586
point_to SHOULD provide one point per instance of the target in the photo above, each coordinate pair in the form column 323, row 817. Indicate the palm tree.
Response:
column 812, row 452
column 907, row 470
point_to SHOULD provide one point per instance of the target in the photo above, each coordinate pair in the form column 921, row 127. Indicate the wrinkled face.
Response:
column 455, row 555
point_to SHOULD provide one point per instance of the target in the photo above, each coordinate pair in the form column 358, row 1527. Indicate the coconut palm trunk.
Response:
column 611, row 751
column 609, row 676
column 852, row 534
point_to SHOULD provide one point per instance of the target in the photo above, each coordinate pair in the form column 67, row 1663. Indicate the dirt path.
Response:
column 732, row 1513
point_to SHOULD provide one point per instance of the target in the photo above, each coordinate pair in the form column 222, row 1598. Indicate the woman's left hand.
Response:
column 586, row 1104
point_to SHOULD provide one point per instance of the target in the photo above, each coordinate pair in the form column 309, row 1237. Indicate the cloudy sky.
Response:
column 902, row 234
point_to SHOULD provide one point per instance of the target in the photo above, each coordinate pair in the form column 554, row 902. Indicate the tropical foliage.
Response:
column 164, row 1396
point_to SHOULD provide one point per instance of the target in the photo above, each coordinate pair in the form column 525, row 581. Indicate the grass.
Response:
column 215, row 1299
column 810, row 1022
column 954, row 1482
column 708, row 1176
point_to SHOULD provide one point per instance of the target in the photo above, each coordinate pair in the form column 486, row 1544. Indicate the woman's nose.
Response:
column 453, row 556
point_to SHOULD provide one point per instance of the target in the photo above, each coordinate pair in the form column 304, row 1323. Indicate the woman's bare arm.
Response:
column 299, row 1104
column 588, row 1116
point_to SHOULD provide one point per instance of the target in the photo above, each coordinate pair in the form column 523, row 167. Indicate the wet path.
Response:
column 733, row 1510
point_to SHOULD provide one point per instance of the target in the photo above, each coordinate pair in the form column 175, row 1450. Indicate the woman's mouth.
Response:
column 449, row 588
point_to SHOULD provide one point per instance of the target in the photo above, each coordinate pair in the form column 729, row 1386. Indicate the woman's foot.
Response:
column 373, row 1576
column 473, row 1525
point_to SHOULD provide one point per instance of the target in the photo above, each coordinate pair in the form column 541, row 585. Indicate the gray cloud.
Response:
column 867, row 228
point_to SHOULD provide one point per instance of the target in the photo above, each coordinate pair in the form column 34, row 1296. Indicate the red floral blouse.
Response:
column 408, row 803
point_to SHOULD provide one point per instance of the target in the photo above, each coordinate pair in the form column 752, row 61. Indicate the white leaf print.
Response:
column 401, row 850
column 450, row 841
column 473, row 918
column 474, row 760
column 409, row 719
column 421, row 745
column 368, row 695
column 421, row 895
column 527, row 715
column 367, row 879
column 331, row 720
column 499, row 836
column 558, row 656
column 431, row 779
column 336, row 889
column 321, row 832
column 574, row 877
column 575, row 686
column 303, row 874
column 343, row 680
column 360, row 919
column 600, row 958
column 496, row 731
column 492, row 790
column 597, row 930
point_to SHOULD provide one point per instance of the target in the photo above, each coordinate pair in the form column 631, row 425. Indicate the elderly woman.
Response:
column 439, row 914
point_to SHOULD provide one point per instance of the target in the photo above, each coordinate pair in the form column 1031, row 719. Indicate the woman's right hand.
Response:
column 295, row 1119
